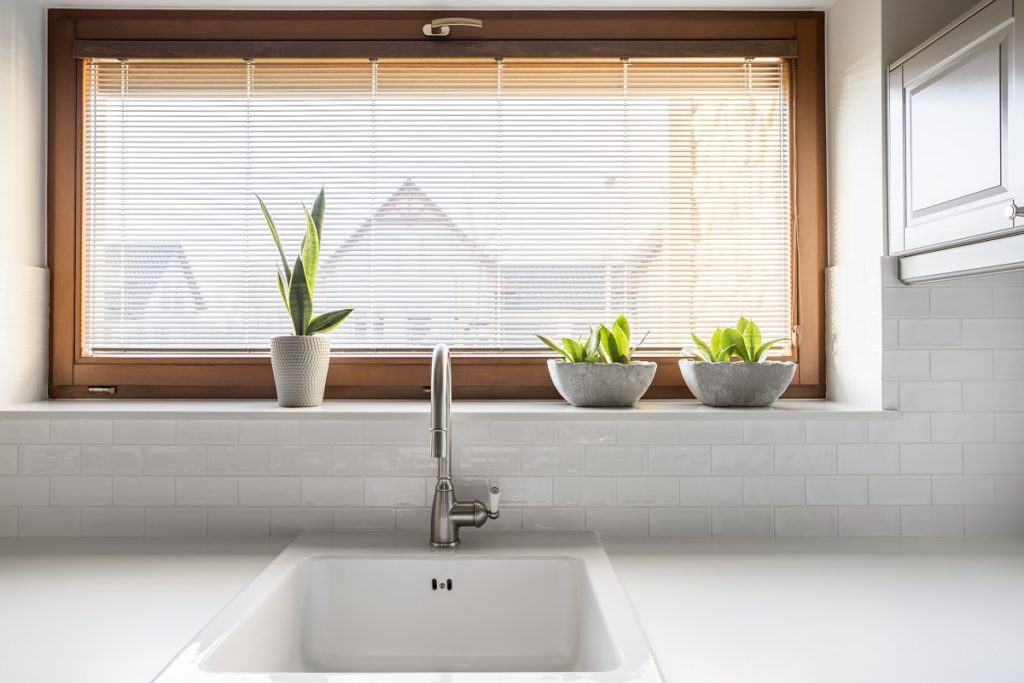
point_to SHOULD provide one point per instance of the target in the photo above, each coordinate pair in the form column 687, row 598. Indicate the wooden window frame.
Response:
column 74, row 34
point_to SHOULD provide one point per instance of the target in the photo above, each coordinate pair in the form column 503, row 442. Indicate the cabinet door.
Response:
column 953, row 136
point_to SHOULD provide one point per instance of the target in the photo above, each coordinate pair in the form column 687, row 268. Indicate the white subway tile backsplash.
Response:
column 905, row 302
column 805, row 459
column 522, row 432
column 1008, row 302
column 619, row 522
column 942, row 522
column 962, row 427
column 926, row 333
column 8, row 459
column 1009, row 364
column 903, row 365
column 773, row 431
column 229, row 522
column 206, row 491
column 1009, row 428
column 290, row 521
column 332, row 491
column 999, row 458
column 998, row 395
column 268, row 432
column 394, row 492
column 488, row 460
column 553, row 460
column 584, row 432
column 524, row 491
column 584, row 491
column 412, row 519
column 806, row 521
column 963, row 490
column 332, row 432
column 206, row 431
column 648, row 491
column 679, row 459
column 50, row 522
column 995, row 521
column 960, row 365
column 931, row 458
column 931, row 396
column 1010, row 489
column 837, row 431
column 411, row 461
column 554, row 519
column 248, row 460
column 24, row 431
column 711, row 431
column 50, row 459
column 76, row 490
column 996, row 333
column 680, row 522
column 908, row 428
column 364, row 519
column 839, row 490
column 397, row 432
column 648, row 432
column 371, row 460
column 143, row 491
column 869, row 521
column 868, row 459
column 269, row 491
column 111, row 459
column 81, row 431
column 183, row 460
column 144, row 431
column 960, row 302
column 710, row 491
column 742, row 522
column 615, row 460
column 899, row 490
column 773, row 491
column 8, row 522
column 306, row 460
column 24, row 490
column 108, row 522
column 741, row 459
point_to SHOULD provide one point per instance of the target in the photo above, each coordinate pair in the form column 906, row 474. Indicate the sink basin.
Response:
column 342, row 608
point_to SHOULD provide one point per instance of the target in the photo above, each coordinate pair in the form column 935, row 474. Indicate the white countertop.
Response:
column 899, row 610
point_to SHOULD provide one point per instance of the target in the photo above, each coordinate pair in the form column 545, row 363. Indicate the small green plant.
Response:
column 603, row 345
column 744, row 341
column 296, row 283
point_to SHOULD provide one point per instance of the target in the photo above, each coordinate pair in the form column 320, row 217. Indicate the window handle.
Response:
column 1012, row 211
column 442, row 27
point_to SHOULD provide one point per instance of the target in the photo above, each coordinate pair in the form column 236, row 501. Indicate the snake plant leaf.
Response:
column 621, row 344
column 592, row 344
column 309, row 252
column 741, row 324
column 319, row 204
column 763, row 350
column 605, row 344
column 327, row 322
column 623, row 324
column 300, row 302
column 554, row 347
column 281, row 288
column 703, row 347
column 640, row 343
column 574, row 349
column 277, row 238
column 751, row 340
column 734, row 339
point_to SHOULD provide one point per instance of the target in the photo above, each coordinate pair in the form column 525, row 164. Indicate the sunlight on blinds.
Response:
column 473, row 201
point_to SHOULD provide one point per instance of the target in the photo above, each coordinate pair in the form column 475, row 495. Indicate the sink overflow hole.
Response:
column 443, row 584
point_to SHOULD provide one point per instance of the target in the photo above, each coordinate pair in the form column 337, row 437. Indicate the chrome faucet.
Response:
column 448, row 513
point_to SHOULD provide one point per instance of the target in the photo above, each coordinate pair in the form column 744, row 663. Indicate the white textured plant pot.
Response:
column 300, row 369
column 602, row 385
column 737, row 385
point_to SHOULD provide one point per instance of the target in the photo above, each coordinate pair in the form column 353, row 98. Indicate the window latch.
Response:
column 442, row 27
column 102, row 390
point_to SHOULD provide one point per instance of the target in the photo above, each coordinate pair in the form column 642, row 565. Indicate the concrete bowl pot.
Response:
column 300, row 369
column 737, row 385
column 602, row 385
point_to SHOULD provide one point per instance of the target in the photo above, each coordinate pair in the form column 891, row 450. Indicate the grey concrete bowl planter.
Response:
column 740, row 385
column 602, row 385
column 300, row 369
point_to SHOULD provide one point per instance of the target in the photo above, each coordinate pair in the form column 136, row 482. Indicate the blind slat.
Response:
column 469, row 200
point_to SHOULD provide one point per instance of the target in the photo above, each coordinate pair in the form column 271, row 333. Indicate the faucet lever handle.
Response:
column 493, row 495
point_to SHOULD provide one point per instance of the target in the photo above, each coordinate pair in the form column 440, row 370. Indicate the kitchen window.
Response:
column 479, row 189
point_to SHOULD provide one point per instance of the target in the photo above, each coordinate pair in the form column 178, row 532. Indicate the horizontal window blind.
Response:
column 473, row 201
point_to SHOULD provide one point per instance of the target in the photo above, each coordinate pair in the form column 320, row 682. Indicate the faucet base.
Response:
column 436, row 544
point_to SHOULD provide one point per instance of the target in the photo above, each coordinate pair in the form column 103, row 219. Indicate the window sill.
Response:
column 654, row 409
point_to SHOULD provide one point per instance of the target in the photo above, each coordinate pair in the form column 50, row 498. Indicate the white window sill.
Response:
column 653, row 409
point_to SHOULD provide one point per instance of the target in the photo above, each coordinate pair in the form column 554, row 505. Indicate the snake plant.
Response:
column 603, row 345
column 297, row 282
column 744, row 341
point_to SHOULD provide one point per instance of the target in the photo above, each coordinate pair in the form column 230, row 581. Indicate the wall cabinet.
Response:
column 956, row 149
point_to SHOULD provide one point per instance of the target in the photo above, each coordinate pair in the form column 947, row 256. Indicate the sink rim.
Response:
column 636, row 660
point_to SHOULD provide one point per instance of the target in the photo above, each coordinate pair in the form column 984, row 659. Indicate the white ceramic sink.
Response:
column 361, row 607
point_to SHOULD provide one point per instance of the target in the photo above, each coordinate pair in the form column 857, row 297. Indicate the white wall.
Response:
column 23, row 277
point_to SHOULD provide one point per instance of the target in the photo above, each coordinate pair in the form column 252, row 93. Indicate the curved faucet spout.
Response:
column 449, row 514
